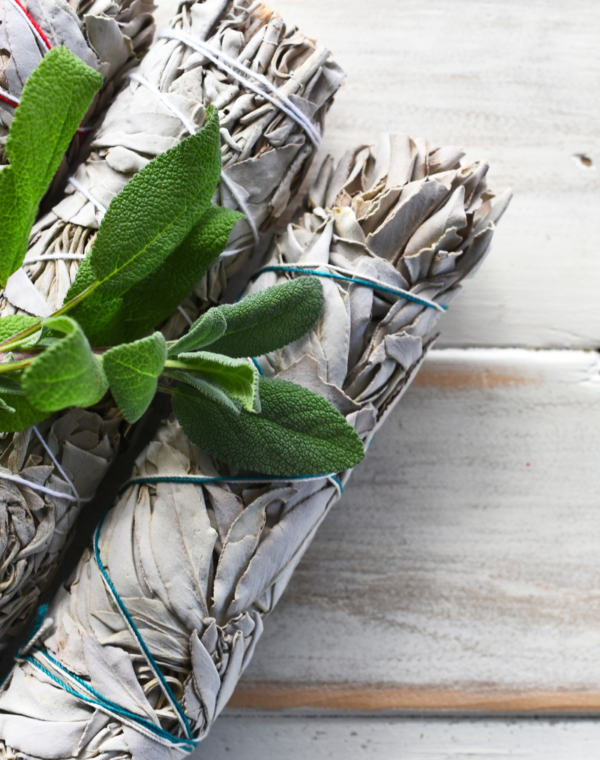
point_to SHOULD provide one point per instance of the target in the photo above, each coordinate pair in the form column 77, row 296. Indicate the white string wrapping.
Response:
column 185, row 315
column 189, row 125
column 44, row 489
column 37, row 487
column 56, row 462
column 228, row 64
column 10, row 99
column 86, row 194
column 56, row 257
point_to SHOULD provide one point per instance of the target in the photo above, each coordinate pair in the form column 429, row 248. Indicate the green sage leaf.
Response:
column 98, row 318
column 270, row 319
column 54, row 100
column 207, row 388
column 203, row 332
column 296, row 433
column 23, row 415
column 238, row 378
column 149, row 302
column 65, row 374
column 154, row 212
column 14, row 323
column 132, row 371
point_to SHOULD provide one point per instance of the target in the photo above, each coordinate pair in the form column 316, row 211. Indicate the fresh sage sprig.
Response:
column 39, row 135
column 157, row 239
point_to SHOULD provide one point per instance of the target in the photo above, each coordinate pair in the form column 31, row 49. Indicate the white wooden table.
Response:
column 454, row 593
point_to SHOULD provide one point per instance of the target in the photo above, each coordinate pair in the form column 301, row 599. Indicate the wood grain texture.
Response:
column 355, row 738
column 375, row 697
column 461, row 567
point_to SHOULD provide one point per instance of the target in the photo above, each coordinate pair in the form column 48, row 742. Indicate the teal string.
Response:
column 143, row 646
column 107, row 704
column 356, row 280
column 200, row 479
column 258, row 367
column 99, row 700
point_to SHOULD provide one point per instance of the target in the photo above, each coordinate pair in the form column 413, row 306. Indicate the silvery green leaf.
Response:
column 239, row 548
column 181, row 530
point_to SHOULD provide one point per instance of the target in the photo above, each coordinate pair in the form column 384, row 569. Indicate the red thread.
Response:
column 34, row 24
column 7, row 99
column 14, row 102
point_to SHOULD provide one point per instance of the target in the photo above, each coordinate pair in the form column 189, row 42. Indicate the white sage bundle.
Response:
column 46, row 474
column 106, row 36
column 142, row 649
column 272, row 87
column 59, row 245
column 49, row 471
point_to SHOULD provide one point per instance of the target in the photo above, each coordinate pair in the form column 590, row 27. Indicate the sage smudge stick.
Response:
column 265, row 152
column 192, row 568
column 57, row 247
column 36, row 529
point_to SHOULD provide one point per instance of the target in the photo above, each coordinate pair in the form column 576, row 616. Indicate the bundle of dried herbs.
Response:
column 156, row 240
column 153, row 631
column 265, row 151
column 35, row 529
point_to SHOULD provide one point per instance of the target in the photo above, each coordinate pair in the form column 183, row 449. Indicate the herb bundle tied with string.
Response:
column 157, row 239
column 144, row 645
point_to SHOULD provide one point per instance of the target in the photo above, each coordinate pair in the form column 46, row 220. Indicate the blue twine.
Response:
column 143, row 646
column 93, row 697
column 107, row 704
column 357, row 281
column 258, row 367
column 96, row 699
column 149, row 479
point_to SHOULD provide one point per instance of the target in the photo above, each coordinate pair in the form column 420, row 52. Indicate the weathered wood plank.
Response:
column 462, row 567
column 354, row 738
